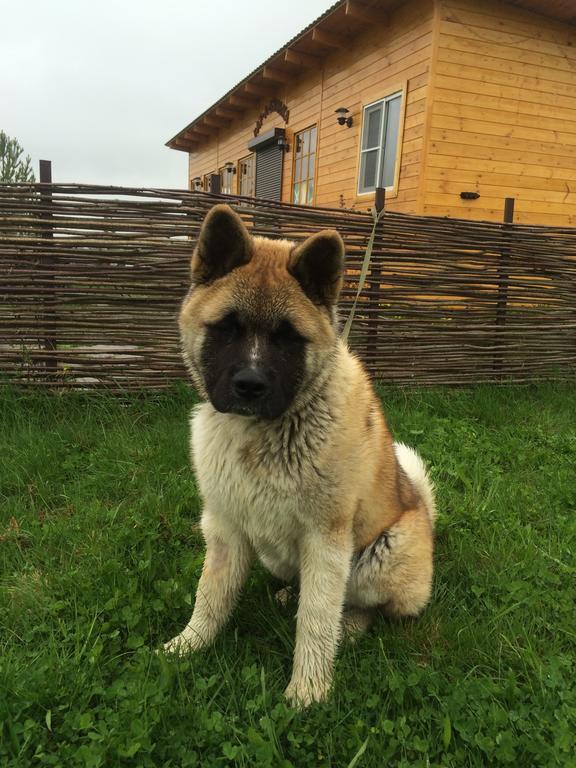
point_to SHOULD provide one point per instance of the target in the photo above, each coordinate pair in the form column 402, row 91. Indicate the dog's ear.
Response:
column 223, row 245
column 317, row 264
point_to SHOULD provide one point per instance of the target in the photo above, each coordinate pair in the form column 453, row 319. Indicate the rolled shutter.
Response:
column 269, row 173
column 269, row 152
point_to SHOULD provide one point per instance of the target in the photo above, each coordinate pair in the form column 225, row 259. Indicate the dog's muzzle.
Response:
column 250, row 385
column 256, row 392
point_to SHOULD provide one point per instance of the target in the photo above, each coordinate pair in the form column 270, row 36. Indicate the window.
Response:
column 227, row 179
column 379, row 146
column 247, row 176
column 304, row 166
column 206, row 182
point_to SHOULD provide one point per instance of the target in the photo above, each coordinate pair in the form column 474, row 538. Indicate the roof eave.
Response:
column 327, row 33
column 284, row 65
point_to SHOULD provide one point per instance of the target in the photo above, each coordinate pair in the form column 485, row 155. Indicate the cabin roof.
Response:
column 340, row 22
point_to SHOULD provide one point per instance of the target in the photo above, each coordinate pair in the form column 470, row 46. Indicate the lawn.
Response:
column 99, row 558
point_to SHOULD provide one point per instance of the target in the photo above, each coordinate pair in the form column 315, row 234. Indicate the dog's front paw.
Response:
column 182, row 644
column 302, row 693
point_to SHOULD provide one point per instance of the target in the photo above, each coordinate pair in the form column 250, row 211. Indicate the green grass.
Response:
column 99, row 561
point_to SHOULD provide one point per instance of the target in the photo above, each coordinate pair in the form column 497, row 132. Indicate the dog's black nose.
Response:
column 250, row 384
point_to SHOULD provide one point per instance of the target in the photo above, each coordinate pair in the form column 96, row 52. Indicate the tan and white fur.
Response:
column 318, row 491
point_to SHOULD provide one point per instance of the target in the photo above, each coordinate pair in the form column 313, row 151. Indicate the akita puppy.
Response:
column 291, row 450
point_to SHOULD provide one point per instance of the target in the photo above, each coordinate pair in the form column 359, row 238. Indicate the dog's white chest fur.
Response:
column 254, row 478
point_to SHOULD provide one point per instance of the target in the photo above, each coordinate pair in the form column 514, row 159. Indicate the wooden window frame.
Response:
column 315, row 177
column 206, row 181
column 227, row 172
column 399, row 90
column 252, row 158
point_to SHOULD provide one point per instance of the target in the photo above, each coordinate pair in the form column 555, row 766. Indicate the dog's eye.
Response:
column 229, row 326
column 285, row 334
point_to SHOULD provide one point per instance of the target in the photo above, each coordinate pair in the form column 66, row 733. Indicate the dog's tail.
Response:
column 412, row 463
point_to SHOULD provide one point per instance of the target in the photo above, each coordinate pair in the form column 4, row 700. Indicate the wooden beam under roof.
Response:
column 202, row 130
column 241, row 101
column 276, row 75
column 258, row 90
column 214, row 121
column 229, row 113
column 356, row 10
column 327, row 39
column 187, row 142
column 300, row 58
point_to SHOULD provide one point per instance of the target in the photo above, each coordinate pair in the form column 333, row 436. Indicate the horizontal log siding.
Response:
column 376, row 63
column 389, row 55
column 503, row 121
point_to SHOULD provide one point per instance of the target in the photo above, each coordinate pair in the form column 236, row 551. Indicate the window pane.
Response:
column 304, row 164
column 298, row 170
column 247, row 177
column 310, row 192
column 391, row 141
column 372, row 124
column 313, row 139
column 368, row 170
column 311, row 161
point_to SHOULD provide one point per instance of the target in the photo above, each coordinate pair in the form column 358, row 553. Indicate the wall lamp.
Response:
column 283, row 144
column 342, row 119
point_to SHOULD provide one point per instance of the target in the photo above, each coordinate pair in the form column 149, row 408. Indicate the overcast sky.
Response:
column 99, row 87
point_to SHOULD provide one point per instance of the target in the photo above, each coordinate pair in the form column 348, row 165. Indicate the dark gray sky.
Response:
column 99, row 87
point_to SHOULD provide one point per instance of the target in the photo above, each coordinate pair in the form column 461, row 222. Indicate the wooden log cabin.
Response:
column 451, row 105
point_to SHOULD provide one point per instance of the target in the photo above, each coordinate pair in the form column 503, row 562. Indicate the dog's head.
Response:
column 258, row 326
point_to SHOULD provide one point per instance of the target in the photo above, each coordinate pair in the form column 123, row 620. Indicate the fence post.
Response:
column 374, row 290
column 503, row 282
column 48, row 287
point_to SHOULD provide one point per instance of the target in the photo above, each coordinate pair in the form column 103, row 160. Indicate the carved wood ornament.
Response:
column 274, row 105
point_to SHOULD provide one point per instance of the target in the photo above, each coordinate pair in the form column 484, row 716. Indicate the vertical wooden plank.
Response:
column 45, row 172
column 48, row 263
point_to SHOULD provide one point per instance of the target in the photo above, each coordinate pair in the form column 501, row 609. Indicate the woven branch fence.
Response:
column 91, row 279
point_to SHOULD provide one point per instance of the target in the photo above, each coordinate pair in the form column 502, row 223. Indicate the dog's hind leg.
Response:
column 356, row 621
column 394, row 572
